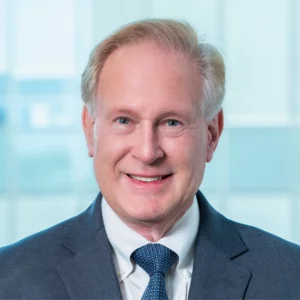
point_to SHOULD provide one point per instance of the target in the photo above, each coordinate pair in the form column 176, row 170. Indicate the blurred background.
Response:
column 45, row 174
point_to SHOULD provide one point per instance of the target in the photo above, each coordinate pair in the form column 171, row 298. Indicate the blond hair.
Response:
column 173, row 35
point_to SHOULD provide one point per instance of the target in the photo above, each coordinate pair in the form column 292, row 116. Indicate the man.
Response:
column 152, row 118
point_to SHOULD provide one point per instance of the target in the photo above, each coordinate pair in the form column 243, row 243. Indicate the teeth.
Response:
column 146, row 179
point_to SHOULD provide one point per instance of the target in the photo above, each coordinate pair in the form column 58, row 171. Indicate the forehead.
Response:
column 148, row 69
column 147, row 51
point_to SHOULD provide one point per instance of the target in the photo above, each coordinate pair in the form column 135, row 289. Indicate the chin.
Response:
column 146, row 214
column 147, row 219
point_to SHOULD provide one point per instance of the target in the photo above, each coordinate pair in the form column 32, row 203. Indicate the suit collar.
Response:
column 219, row 230
column 216, row 275
column 84, row 228
column 90, row 272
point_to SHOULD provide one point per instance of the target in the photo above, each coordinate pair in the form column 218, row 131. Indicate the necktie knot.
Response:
column 156, row 260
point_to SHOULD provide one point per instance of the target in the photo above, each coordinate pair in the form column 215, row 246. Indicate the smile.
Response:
column 148, row 179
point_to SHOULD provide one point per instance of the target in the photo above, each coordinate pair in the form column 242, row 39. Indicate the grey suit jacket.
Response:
column 73, row 261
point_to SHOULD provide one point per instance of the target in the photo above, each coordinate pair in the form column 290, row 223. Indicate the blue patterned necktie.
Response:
column 156, row 260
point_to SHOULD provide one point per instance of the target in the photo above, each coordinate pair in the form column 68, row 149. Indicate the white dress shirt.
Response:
column 180, row 238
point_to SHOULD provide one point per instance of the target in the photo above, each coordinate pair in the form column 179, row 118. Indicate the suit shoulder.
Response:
column 44, row 245
column 273, row 262
column 269, row 248
column 29, row 268
column 253, row 235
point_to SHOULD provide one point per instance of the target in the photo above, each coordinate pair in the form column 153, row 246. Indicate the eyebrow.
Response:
column 184, row 114
column 132, row 112
column 125, row 111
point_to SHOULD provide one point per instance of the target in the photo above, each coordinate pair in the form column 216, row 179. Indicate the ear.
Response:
column 88, row 127
column 215, row 128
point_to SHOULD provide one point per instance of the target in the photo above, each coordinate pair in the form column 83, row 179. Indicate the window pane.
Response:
column 3, row 12
column 259, row 158
column 257, row 57
column 44, row 39
column 263, row 212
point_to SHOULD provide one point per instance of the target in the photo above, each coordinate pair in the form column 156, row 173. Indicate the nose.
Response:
column 147, row 146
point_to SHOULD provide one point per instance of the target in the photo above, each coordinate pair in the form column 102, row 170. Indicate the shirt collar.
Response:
column 180, row 239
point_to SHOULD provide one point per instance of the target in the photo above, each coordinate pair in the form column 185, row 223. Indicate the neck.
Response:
column 152, row 233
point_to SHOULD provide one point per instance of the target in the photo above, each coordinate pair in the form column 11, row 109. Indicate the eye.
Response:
column 172, row 123
column 123, row 120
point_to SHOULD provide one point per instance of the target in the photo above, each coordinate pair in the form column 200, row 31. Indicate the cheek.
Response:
column 109, row 149
column 190, row 152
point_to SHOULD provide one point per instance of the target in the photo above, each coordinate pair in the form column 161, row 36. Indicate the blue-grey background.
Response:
column 45, row 174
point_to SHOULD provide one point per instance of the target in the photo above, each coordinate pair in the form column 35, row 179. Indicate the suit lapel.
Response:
column 216, row 275
column 90, row 272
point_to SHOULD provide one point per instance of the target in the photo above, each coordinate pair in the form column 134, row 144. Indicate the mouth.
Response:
column 148, row 179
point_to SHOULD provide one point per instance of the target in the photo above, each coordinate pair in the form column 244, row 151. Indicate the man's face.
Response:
column 149, row 141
